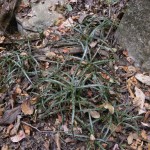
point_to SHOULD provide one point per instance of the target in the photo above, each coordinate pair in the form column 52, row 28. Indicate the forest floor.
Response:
column 74, row 87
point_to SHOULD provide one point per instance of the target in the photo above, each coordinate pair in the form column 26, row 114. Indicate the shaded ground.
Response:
column 74, row 87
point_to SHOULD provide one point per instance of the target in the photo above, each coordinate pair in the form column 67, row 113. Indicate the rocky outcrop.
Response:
column 133, row 32
column 41, row 15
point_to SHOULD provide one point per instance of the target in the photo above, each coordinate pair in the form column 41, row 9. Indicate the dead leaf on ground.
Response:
column 26, row 108
column 5, row 147
column 57, row 141
column 18, row 90
column 109, row 107
column 143, row 78
column 148, row 146
column 131, row 82
column 1, row 111
column 144, row 135
column 130, row 139
column 27, row 129
column 145, row 124
column 68, row 23
column 2, row 38
column 139, row 100
column 16, row 126
column 9, row 129
column 69, row 140
column 77, row 130
column 52, row 55
column 116, row 147
column 34, row 100
column 10, row 116
column 46, row 144
column 21, row 135
column 65, row 128
column 95, row 114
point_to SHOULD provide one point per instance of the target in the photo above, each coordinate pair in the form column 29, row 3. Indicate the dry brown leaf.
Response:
column 57, row 141
column 68, row 23
column 10, row 116
column 130, row 139
column 18, row 90
column 148, row 146
column 144, row 135
column 69, row 140
column 109, row 107
column 146, row 117
column 2, row 38
column 27, row 129
column 34, row 100
column 143, row 78
column 21, row 135
column 1, row 111
column 65, row 128
column 52, row 55
column 16, row 126
column 131, row 81
column 77, row 130
column 118, row 129
column 139, row 100
column 5, row 147
column 95, row 114
column 9, row 129
column 26, row 108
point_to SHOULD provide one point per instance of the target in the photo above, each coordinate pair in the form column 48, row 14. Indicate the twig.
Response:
column 41, row 131
column 54, row 132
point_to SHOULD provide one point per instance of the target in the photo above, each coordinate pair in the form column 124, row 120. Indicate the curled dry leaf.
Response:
column 95, row 114
column 130, row 139
column 21, row 135
column 139, row 100
column 109, row 107
column 143, row 78
column 26, row 108
column 10, row 115
column 34, row 100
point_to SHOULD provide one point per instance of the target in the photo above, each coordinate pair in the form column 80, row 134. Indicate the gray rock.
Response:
column 133, row 33
column 41, row 16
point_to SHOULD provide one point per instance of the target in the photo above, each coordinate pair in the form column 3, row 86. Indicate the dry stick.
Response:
column 54, row 132
column 45, row 131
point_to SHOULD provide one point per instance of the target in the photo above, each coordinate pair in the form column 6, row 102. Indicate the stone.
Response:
column 41, row 16
column 133, row 33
